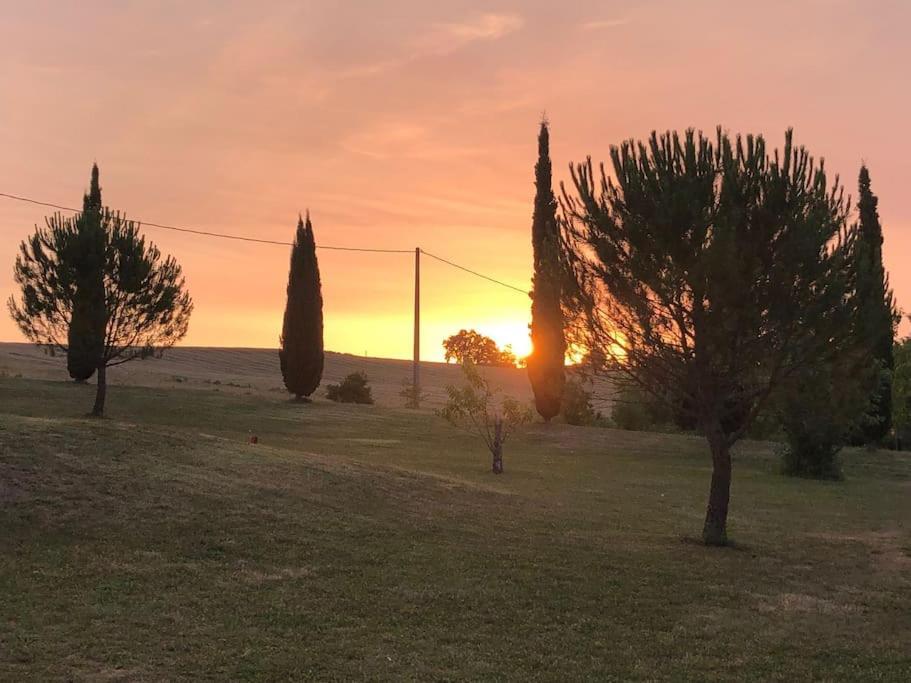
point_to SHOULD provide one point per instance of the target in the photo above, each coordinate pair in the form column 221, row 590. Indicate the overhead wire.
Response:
column 257, row 240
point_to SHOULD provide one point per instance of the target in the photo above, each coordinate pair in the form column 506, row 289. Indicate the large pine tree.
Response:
column 545, row 364
column 301, row 353
column 85, row 337
column 711, row 272
column 877, row 325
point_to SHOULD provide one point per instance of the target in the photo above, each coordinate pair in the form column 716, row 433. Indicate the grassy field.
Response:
column 371, row 542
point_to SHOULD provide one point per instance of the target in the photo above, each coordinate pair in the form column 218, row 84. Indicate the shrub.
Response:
column 629, row 411
column 636, row 411
column 352, row 389
column 901, row 393
column 577, row 404
column 413, row 398
column 814, row 426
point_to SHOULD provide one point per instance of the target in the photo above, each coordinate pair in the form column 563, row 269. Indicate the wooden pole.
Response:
column 416, row 382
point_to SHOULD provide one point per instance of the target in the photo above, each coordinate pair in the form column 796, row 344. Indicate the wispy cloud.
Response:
column 441, row 39
column 452, row 36
column 600, row 24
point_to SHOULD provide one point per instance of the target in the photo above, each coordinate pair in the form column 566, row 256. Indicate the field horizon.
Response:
column 257, row 370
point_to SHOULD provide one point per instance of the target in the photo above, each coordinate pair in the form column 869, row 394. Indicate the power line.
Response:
column 241, row 238
column 206, row 233
column 475, row 273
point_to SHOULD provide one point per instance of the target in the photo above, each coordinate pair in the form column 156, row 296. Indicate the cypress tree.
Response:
column 878, row 314
column 85, row 336
column 545, row 364
column 301, row 353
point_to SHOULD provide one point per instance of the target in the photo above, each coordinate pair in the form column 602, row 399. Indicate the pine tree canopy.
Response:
column 710, row 271
column 146, row 306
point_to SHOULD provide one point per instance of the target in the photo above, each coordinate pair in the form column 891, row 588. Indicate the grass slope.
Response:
column 367, row 542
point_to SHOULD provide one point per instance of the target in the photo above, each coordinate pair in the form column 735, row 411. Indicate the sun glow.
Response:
column 513, row 334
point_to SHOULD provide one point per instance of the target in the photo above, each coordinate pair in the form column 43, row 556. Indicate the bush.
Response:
column 813, row 441
column 636, row 411
column 814, row 419
column 577, row 405
column 811, row 459
column 901, row 393
column 630, row 411
column 353, row 389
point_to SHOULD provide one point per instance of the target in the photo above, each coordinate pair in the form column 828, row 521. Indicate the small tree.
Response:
column 470, row 346
column 545, row 364
column 413, row 395
column 146, row 306
column 711, row 272
column 301, row 352
column 476, row 409
column 85, row 337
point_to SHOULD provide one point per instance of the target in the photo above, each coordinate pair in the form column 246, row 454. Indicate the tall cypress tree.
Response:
column 85, row 337
column 878, row 314
column 545, row 364
column 301, row 353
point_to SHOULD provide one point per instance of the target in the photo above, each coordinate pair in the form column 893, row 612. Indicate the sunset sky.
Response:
column 409, row 123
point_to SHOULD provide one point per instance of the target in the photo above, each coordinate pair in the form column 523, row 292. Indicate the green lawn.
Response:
column 359, row 542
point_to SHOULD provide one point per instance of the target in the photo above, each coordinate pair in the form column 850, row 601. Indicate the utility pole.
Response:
column 416, row 381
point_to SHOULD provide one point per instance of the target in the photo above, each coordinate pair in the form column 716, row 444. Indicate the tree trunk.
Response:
column 497, row 447
column 716, row 516
column 101, row 391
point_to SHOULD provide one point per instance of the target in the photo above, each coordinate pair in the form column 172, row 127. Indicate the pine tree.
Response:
column 879, row 318
column 85, row 337
column 301, row 353
column 146, row 305
column 545, row 364
column 711, row 272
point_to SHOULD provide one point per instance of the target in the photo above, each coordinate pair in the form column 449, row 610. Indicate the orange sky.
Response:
column 405, row 123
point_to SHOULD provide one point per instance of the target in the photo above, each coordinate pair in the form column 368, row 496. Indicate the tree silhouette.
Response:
column 85, row 337
column 545, row 364
column 301, row 352
column 146, row 307
column 877, row 309
column 470, row 346
column 477, row 409
column 710, row 272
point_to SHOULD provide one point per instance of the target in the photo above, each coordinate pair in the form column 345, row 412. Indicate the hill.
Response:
column 257, row 370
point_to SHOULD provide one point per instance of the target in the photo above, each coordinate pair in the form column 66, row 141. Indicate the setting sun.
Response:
column 512, row 334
